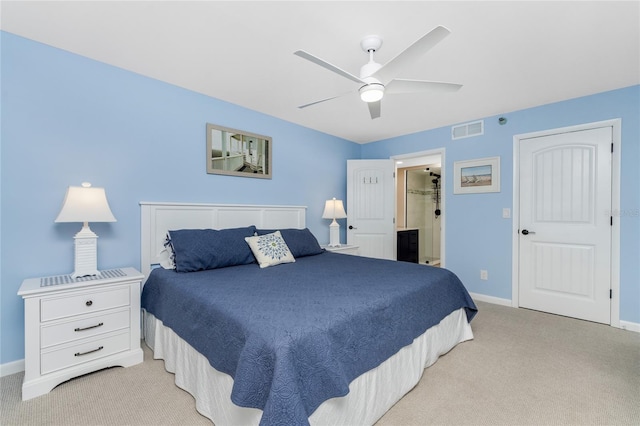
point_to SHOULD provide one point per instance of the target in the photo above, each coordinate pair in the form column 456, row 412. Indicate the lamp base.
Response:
column 86, row 253
column 334, row 234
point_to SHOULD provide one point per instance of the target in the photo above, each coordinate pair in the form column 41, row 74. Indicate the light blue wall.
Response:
column 68, row 119
column 477, row 237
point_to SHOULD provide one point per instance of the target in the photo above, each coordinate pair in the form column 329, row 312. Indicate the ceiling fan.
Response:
column 378, row 80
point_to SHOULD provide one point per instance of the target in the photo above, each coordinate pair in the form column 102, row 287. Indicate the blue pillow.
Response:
column 200, row 249
column 301, row 242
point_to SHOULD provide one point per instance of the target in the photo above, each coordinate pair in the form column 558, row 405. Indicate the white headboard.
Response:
column 158, row 218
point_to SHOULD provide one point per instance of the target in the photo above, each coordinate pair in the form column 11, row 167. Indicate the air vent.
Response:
column 475, row 128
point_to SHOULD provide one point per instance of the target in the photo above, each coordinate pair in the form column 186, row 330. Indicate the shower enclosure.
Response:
column 422, row 210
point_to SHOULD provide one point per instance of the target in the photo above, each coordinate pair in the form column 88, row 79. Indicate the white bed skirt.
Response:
column 370, row 395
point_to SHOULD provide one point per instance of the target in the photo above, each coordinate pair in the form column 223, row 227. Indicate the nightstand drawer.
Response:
column 62, row 307
column 89, row 350
column 87, row 326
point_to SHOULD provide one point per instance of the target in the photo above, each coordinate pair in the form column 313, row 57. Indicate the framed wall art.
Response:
column 235, row 152
column 476, row 176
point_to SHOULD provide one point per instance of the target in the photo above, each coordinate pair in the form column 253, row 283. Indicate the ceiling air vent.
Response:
column 475, row 128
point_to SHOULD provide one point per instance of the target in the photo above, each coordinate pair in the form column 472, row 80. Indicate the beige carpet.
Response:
column 523, row 368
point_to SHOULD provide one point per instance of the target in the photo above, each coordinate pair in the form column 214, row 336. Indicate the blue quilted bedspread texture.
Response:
column 295, row 335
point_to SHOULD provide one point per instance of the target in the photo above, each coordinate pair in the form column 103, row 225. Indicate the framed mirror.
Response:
column 238, row 153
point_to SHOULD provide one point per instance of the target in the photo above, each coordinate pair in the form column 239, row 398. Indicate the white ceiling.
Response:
column 509, row 55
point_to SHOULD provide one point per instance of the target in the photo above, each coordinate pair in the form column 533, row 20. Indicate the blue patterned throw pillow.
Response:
column 270, row 249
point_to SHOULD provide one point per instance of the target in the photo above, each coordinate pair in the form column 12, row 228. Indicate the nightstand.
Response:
column 77, row 326
column 343, row 249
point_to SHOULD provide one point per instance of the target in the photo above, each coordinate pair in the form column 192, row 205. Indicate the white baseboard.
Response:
column 630, row 326
column 490, row 299
column 625, row 325
column 11, row 367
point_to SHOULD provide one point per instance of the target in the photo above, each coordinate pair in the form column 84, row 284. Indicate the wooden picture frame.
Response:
column 476, row 176
column 235, row 152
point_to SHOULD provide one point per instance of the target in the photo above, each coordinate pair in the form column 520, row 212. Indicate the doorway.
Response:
column 419, row 203
column 422, row 211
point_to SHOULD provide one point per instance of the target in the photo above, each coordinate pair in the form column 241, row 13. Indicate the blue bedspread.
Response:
column 294, row 335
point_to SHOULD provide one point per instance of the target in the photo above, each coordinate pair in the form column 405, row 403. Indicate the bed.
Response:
column 314, row 337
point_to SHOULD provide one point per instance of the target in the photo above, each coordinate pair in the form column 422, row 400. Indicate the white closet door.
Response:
column 565, row 230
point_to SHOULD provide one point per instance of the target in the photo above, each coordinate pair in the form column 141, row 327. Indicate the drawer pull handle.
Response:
column 89, row 302
column 89, row 328
column 88, row 352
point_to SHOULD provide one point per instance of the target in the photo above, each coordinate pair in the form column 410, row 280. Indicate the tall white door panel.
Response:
column 370, row 207
column 565, row 230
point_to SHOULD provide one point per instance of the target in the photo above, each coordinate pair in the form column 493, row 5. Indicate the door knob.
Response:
column 527, row 232
column 352, row 227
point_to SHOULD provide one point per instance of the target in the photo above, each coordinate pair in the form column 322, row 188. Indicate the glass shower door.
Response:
column 422, row 212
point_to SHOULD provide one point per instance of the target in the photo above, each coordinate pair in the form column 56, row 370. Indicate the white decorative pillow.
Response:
column 270, row 249
column 167, row 257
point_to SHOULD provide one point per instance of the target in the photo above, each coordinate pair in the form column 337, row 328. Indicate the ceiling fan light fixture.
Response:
column 372, row 92
column 372, row 74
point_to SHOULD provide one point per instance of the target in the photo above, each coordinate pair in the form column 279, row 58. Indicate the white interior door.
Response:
column 370, row 207
column 564, row 224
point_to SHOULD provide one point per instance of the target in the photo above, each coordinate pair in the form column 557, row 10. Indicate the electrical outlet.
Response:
column 484, row 275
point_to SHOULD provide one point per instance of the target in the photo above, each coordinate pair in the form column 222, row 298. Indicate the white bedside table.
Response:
column 77, row 326
column 343, row 249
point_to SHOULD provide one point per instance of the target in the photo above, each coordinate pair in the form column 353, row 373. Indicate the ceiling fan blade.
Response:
column 324, row 100
column 374, row 109
column 400, row 85
column 411, row 53
column 327, row 65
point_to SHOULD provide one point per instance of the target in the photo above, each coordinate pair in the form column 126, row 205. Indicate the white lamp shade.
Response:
column 334, row 209
column 85, row 204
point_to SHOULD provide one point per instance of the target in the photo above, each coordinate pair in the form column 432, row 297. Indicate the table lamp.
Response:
column 334, row 209
column 85, row 204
